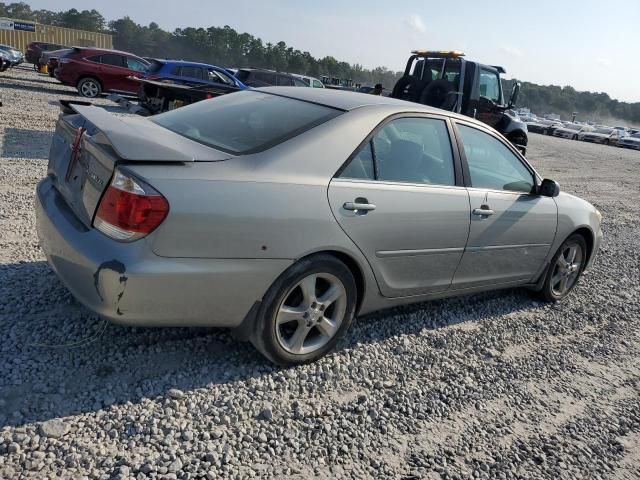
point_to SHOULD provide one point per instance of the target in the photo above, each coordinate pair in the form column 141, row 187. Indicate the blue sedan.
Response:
column 191, row 73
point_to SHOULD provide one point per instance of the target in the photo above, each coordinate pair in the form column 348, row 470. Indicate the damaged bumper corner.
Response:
column 127, row 283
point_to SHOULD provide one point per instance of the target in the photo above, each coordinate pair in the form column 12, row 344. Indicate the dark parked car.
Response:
column 93, row 71
column 36, row 49
column 258, row 77
column 190, row 73
column 50, row 59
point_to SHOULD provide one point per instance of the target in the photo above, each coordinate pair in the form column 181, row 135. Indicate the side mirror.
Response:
column 515, row 91
column 549, row 188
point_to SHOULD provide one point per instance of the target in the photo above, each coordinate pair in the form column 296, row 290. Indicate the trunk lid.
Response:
column 89, row 142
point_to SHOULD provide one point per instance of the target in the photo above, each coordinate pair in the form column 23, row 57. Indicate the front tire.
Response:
column 89, row 87
column 565, row 269
column 306, row 311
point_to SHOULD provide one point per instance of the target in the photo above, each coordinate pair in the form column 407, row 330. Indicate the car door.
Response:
column 401, row 199
column 113, row 71
column 489, row 88
column 136, row 68
column 511, row 228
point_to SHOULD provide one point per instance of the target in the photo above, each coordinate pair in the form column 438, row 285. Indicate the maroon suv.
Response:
column 95, row 70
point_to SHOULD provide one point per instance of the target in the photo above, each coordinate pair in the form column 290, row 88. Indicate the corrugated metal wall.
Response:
column 63, row 36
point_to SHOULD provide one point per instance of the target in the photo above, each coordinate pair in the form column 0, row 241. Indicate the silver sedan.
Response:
column 285, row 212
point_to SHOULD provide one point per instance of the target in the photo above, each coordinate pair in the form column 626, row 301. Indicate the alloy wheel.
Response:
column 89, row 88
column 311, row 313
column 567, row 269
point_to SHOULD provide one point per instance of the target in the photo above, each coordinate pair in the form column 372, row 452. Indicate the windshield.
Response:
column 603, row 130
column 154, row 66
column 245, row 122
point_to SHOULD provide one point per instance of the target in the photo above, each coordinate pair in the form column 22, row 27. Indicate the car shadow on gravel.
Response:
column 26, row 143
column 58, row 359
column 32, row 88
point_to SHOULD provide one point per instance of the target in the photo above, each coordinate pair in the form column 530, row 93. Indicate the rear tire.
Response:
column 89, row 87
column 306, row 311
column 565, row 269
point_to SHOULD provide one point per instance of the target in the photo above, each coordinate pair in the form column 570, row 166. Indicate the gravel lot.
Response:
column 486, row 386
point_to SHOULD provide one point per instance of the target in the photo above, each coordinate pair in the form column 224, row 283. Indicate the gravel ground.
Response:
column 485, row 386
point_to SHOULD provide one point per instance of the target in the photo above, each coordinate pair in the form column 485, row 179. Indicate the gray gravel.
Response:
column 487, row 386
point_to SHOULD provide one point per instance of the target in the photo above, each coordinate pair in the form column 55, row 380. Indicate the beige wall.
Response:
column 63, row 36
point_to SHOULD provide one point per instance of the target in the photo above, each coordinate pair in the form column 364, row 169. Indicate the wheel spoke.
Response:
column 573, row 250
column 327, row 327
column 331, row 295
column 308, row 287
column 288, row 314
column 296, row 342
column 555, row 280
column 563, row 284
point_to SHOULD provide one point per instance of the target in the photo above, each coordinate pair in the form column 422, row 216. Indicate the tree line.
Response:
column 227, row 47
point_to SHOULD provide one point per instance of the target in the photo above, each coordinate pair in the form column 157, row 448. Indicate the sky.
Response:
column 590, row 44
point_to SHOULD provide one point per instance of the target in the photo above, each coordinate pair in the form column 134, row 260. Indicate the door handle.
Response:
column 483, row 211
column 361, row 206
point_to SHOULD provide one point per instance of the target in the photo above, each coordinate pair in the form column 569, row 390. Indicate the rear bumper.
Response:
column 127, row 283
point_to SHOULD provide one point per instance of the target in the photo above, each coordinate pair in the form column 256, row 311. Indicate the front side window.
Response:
column 219, row 77
column 490, row 85
column 317, row 84
column 245, row 122
column 407, row 150
column 492, row 165
column 136, row 65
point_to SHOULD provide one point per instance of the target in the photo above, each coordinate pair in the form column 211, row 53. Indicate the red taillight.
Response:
column 130, row 209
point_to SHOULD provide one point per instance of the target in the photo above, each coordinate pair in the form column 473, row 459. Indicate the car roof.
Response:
column 104, row 50
column 184, row 63
column 344, row 100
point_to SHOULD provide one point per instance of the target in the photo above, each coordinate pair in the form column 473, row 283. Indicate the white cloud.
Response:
column 603, row 62
column 511, row 51
column 415, row 23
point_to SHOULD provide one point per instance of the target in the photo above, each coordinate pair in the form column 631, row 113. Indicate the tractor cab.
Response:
column 446, row 80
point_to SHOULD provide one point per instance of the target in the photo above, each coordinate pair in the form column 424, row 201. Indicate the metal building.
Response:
column 18, row 33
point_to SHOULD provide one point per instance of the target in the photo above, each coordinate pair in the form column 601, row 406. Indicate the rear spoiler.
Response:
column 139, row 139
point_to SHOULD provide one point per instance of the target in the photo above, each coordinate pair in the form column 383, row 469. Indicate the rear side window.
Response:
column 95, row 58
column 245, row 122
column 192, row 72
column 285, row 81
column 111, row 59
column 406, row 150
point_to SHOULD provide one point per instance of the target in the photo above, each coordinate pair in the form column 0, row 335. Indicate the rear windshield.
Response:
column 245, row 122
column 242, row 75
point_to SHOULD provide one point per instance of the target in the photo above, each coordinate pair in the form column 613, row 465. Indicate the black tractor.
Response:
column 446, row 80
